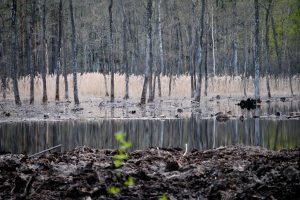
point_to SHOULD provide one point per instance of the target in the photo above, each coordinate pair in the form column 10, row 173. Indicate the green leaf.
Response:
column 121, row 156
column 129, row 182
column 118, row 163
column 113, row 190
column 163, row 197
column 120, row 137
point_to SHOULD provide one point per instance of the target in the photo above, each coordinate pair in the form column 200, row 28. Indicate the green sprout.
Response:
column 113, row 190
column 129, row 182
column 119, row 159
column 124, row 145
column 163, row 197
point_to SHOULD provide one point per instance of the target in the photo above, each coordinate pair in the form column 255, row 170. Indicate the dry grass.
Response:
column 92, row 85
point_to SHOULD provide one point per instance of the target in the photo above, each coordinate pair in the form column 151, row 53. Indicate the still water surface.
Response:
column 198, row 133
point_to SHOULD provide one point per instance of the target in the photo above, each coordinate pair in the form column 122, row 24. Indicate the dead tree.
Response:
column 74, row 55
column 58, row 66
column 199, row 54
column 14, row 40
column 256, row 51
column 44, row 51
column 148, row 61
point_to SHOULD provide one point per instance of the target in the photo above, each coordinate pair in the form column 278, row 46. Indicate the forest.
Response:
column 198, row 39
column 149, row 99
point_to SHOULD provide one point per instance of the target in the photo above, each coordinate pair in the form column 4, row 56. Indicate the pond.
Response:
column 195, row 131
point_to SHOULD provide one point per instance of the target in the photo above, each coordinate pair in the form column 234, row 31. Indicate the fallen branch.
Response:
column 28, row 186
column 44, row 151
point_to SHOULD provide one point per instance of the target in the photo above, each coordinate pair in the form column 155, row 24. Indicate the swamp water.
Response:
column 198, row 133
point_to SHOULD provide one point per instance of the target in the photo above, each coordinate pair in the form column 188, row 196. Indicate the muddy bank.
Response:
column 225, row 173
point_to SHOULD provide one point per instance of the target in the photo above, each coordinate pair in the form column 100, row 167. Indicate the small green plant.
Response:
column 119, row 159
column 121, row 155
column 163, row 197
column 113, row 190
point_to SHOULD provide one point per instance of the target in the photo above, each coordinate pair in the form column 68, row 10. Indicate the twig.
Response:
column 28, row 186
column 158, row 151
column 186, row 149
column 44, row 151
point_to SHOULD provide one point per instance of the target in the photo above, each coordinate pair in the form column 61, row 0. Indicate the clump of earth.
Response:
column 234, row 172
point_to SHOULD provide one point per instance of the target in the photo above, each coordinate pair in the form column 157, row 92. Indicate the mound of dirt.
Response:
column 236, row 172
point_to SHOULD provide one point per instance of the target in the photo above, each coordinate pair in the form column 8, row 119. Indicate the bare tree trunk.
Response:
column 161, row 52
column 125, row 50
column 112, row 71
column 213, row 40
column 191, row 63
column 257, row 51
column 3, row 66
column 44, row 49
column 234, row 43
column 74, row 55
column 205, row 67
column 32, row 34
column 65, row 72
column 148, row 54
column 170, row 85
column 58, row 67
column 149, row 16
column 268, row 11
column 14, row 52
column 245, row 62
column 199, row 53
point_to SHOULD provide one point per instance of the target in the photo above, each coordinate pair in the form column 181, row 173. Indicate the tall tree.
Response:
column 267, row 58
column 125, row 50
column 213, row 40
column 234, row 42
column 58, row 66
column 74, row 55
column 44, row 51
column 14, row 39
column 32, row 48
column 111, row 59
column 161, row 50
column 199, row 53
column 148, row 52
column 149, row 35
column 256, row 51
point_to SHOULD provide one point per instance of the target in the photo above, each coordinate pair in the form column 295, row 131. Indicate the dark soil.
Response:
column 83, row 173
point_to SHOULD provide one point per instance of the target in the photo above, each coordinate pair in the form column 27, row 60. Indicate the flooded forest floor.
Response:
column 234, row 172
column 101, row 108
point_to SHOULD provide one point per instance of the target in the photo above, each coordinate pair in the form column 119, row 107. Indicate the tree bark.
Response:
column 234, row 43
column 213, row 40
column 205, row 67
column 74, row 55
column 3, row 67
column 32, row 48
column 14, row 40
column 58, row 66
column 161, row 51
column 245, row 61
column 112, row 71
column 257, row 51
column 149, row 29
column 125, row 50
column 267, row 59
column 44, row 49
column 148, row 54
column 65, row 71
column 199, row 54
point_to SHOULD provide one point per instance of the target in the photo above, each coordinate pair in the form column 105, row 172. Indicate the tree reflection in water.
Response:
column 195, row 131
